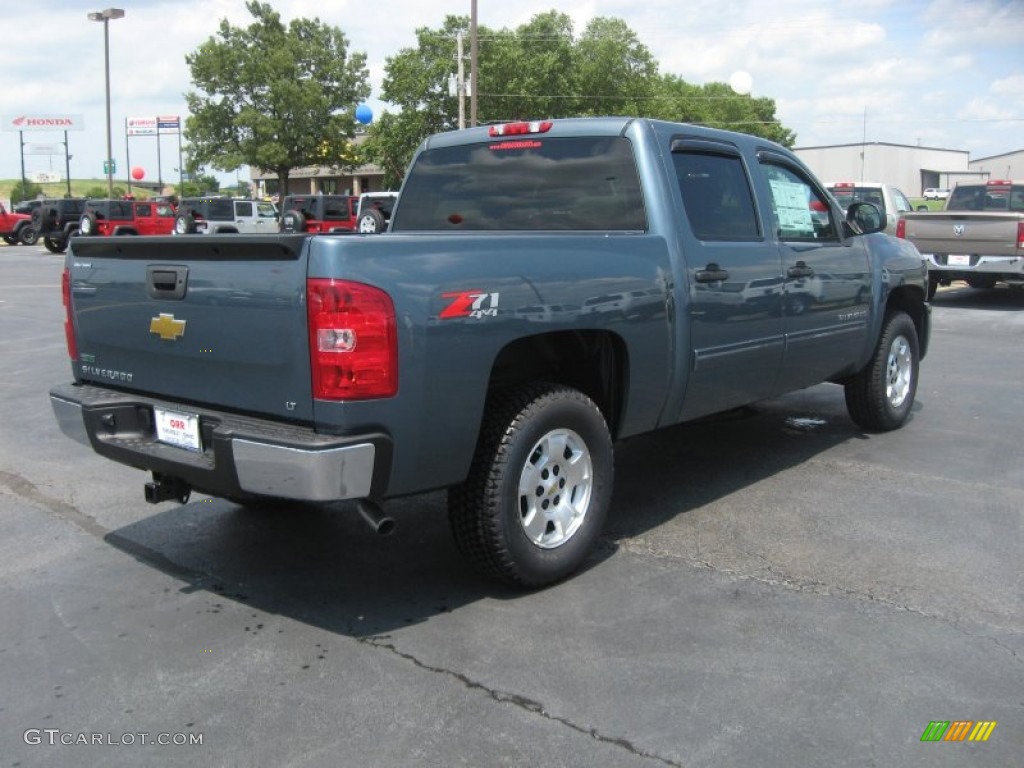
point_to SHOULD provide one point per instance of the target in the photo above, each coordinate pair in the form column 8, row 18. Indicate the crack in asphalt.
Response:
column 522, row 702
column 643, row 548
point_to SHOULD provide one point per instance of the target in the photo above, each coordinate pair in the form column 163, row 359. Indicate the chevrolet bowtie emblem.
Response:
column 166, row 327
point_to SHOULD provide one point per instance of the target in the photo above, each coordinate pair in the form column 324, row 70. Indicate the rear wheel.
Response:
column 87, row 224
column 538, row 491
column 982, row 282
column 55, row 245
column 880, row 396
column 184, row 224
column 293, row 221
column 28, row 236
column 370, row 221
column 933, row 286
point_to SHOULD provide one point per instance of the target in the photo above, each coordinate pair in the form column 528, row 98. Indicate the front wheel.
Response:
column 538, row 490
column 53, row 245
column 880, row 396
column 28, row 236
column 11, row 239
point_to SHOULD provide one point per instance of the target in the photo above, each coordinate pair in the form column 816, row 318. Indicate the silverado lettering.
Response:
column 634, row 274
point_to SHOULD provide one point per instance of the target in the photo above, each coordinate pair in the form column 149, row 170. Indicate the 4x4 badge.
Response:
column 166, row 327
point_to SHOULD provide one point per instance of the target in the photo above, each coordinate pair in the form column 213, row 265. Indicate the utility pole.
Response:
column 474, row 79
column 461, row 82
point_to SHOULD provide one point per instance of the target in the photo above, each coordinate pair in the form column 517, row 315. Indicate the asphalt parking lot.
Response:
column 775, row 588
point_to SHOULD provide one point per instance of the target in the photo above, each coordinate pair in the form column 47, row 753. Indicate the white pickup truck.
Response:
column 978, row 237
column 889, row 200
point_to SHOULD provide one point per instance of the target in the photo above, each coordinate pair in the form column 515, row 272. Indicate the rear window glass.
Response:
column 847, row 195
column 526, row 183
column 985, row 197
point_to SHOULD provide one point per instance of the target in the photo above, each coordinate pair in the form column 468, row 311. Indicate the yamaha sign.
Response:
column 25, row 122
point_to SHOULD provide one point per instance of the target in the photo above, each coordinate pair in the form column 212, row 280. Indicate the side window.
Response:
column 243, row 208
column 901, row 202
column 143, row 210
column 716, row 195
column 1017, row 199
column 801, row 212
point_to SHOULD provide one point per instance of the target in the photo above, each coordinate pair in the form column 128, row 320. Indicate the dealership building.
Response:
column 911, row 169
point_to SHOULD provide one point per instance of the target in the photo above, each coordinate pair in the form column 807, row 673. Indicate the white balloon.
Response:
column 741, row 81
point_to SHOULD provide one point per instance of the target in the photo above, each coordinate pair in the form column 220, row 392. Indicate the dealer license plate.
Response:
column 180, row 429
column 958, row 260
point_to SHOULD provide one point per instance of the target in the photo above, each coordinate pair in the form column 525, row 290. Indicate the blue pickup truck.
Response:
column 544, row 289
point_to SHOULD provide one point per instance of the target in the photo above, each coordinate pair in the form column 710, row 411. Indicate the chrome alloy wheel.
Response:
column 899, row 372
column 555, row 488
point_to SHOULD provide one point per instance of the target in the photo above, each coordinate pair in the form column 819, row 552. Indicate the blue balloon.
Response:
column 364, row 114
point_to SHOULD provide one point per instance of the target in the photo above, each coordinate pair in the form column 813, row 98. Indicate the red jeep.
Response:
column 103, row 218
column 319, row 213
column 16, row 228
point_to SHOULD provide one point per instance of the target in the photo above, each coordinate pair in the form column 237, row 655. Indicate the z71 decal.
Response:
column 473, row 303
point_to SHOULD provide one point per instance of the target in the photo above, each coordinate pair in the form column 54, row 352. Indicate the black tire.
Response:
column 44, row 218
column 880, row 396
column 55, row 245
column 370, row 222
column 510, row 536
column 184, row 223
column 11, row 239
column 27, row 235
column 87, row 224
column 293, row 221
column 982, row 282
column 933, row 286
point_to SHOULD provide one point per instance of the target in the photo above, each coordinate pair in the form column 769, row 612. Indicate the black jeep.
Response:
column 56, row 221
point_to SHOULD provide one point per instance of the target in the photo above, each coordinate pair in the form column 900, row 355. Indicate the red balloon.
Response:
column 138, row 173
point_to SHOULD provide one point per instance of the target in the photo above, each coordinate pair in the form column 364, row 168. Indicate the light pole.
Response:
column 105, row 16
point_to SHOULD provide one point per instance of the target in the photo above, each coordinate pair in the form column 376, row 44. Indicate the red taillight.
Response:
column 69, row 326
column 1020, row 235
column 901, row 228
column 353, row 342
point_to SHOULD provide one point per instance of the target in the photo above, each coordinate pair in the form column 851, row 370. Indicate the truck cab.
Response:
column 889, row 200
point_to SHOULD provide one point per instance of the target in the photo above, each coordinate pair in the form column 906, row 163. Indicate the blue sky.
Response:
column 944, row 73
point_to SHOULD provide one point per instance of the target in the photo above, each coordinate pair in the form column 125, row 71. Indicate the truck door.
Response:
column 827, row 292
column 734, row 278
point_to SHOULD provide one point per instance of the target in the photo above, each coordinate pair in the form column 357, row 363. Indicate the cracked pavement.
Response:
column 774, row 589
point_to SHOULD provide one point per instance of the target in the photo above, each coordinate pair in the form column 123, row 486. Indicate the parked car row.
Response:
column 56, row 221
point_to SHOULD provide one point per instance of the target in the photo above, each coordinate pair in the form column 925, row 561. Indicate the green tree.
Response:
column 272, row 96
column 542, row 69
column 717, row 105
column 25, row 190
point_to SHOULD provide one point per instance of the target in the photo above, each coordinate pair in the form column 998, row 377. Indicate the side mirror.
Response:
column 865, row 218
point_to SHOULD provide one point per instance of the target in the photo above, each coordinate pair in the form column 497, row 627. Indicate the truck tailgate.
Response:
column 224, row 327
column 964, row 233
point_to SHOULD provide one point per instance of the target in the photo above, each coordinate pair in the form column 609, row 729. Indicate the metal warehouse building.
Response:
column 911, row 169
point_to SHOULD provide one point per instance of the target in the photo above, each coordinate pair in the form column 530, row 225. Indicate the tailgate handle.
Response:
column 165, row 282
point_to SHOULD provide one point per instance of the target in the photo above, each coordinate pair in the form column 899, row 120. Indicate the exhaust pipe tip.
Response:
column 374, row 516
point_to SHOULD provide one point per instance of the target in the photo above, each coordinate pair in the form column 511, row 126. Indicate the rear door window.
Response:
column 524, row 183
column 716, row 196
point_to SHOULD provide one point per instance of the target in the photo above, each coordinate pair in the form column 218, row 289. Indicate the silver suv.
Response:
column 220, row 215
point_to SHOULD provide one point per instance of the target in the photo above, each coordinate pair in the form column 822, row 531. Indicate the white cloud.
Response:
column 946, row 72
